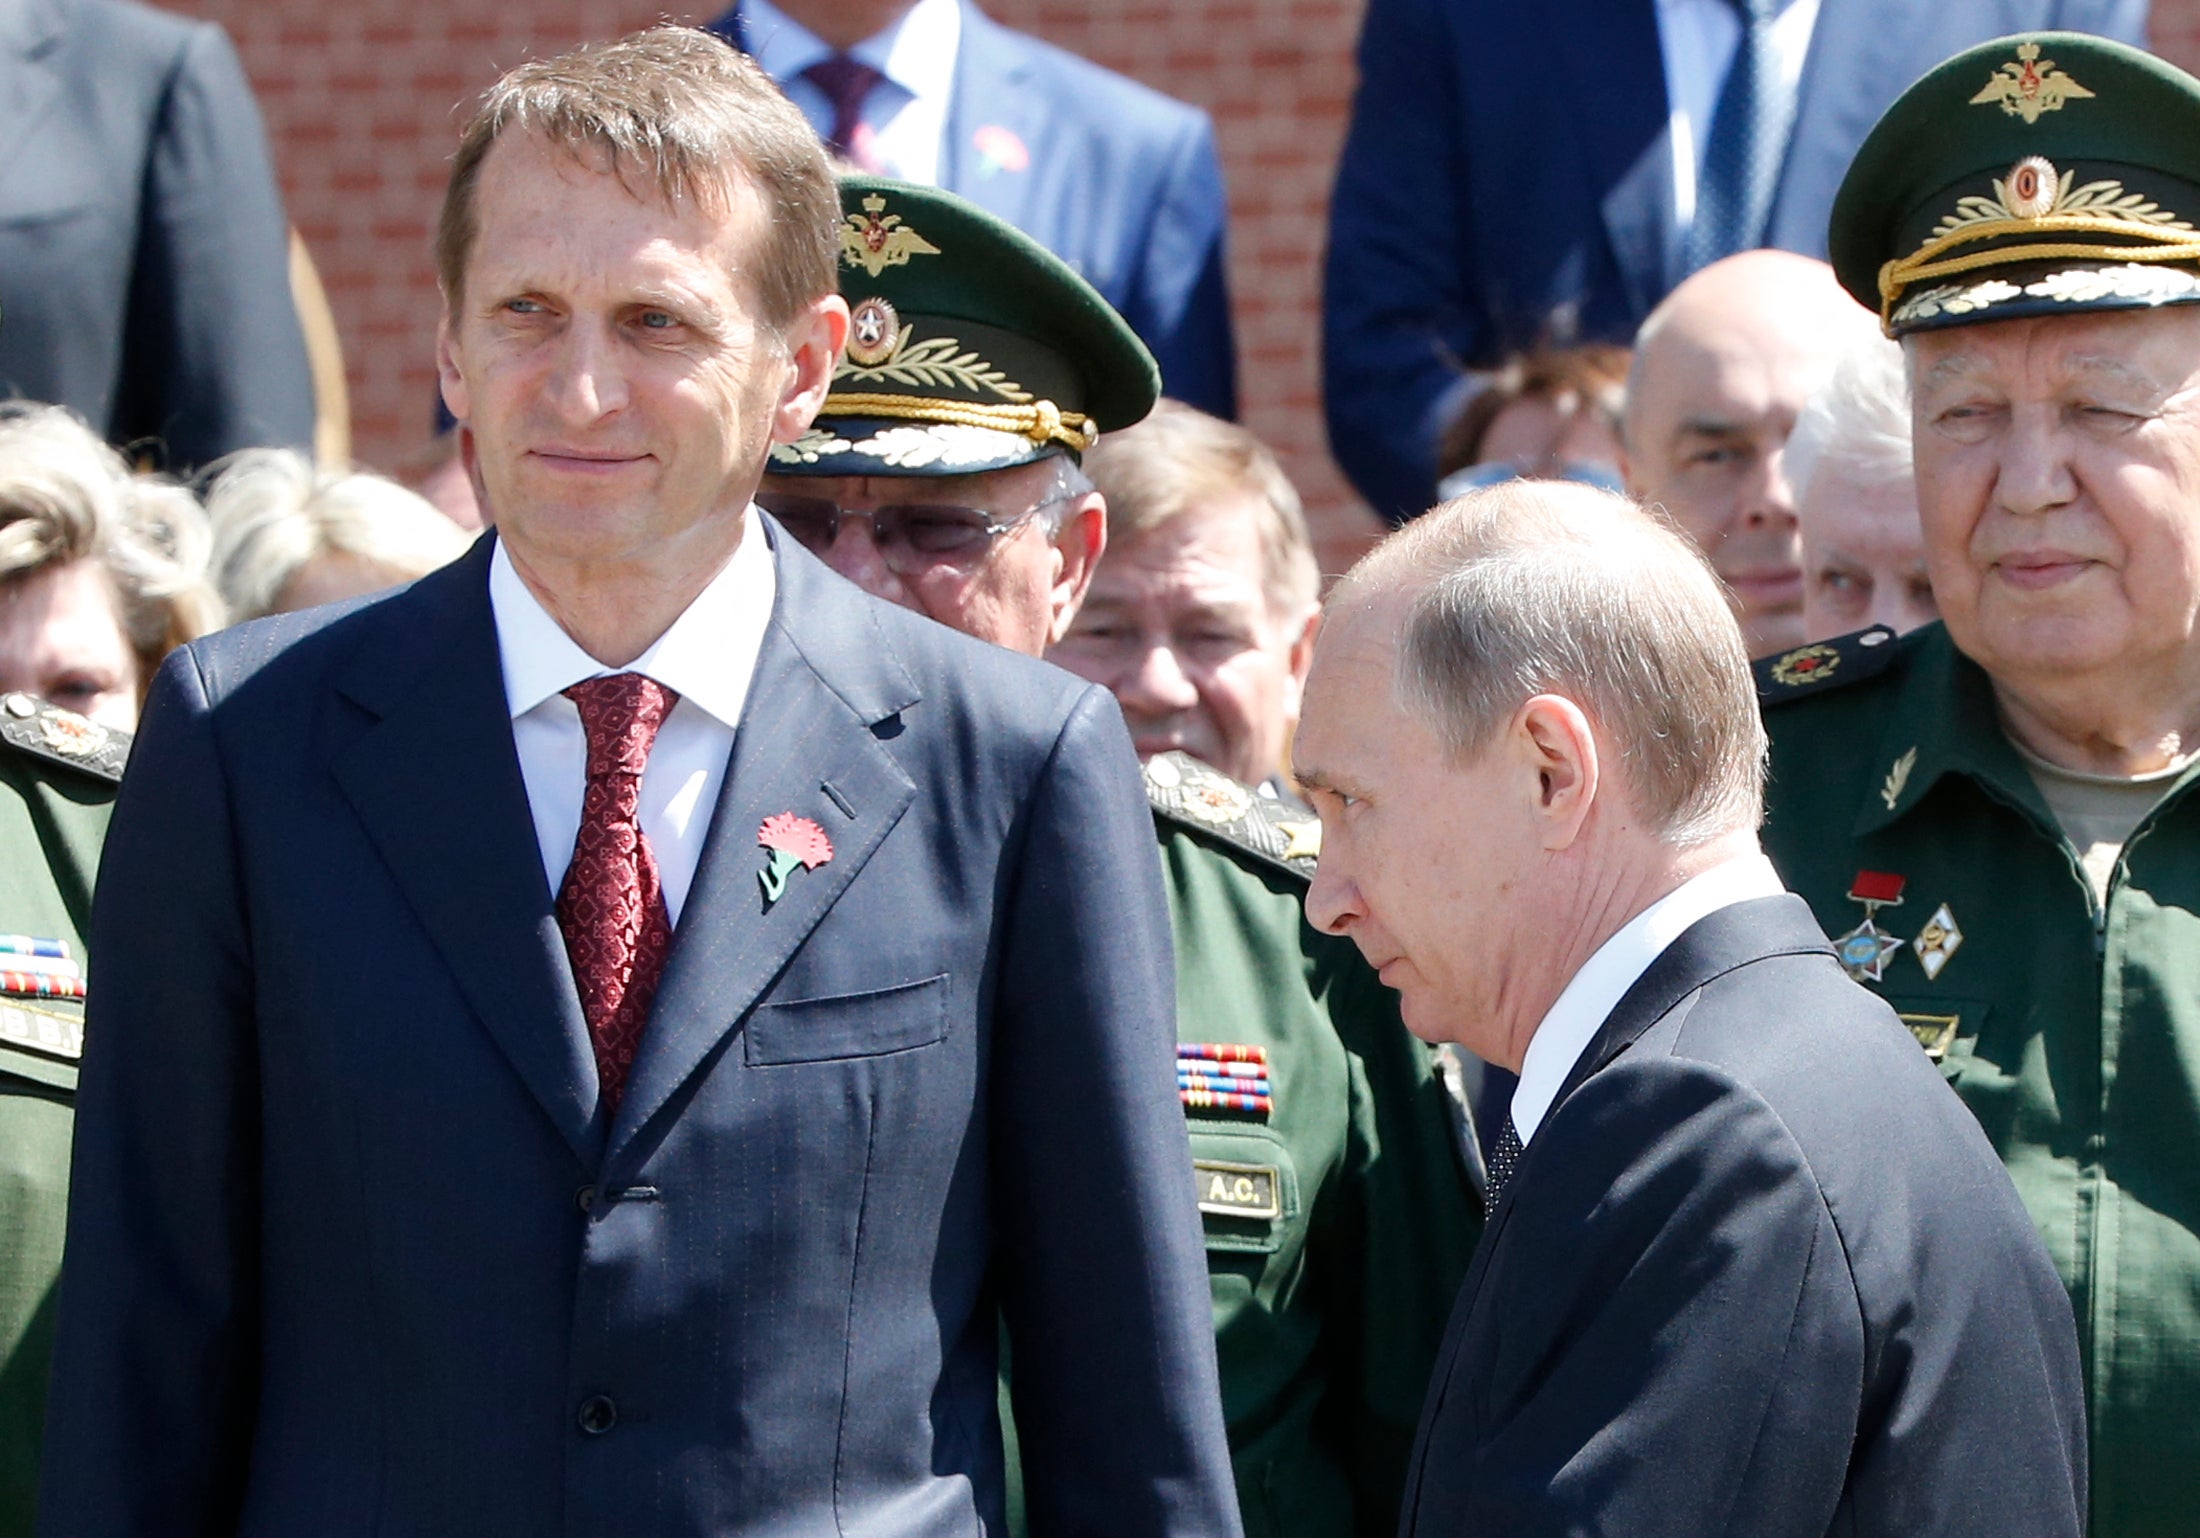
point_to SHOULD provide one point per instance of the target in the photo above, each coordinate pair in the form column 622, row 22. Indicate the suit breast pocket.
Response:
column 868, row 1024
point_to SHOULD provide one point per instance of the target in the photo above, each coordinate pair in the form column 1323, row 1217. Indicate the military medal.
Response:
column 1937, row 941
column 32, row 968
column 1866, row 949
column 793, row 842
column 1222, row 1076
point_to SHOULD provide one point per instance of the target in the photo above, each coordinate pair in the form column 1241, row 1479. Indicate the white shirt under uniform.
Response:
column 707, row 657
column 1618, row 964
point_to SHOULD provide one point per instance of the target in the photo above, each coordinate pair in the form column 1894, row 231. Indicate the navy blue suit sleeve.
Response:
column 214, row 355
column 150, row 1413
column 1676, row 1345
column 1399, row 315
column 1099, row 1255
column 1184, row 287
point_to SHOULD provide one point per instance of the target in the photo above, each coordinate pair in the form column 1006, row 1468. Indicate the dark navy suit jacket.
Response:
column 1508, row 175
column 144, row 260
column 355, row 1247
column 1759, row 1273
column 1117, row 179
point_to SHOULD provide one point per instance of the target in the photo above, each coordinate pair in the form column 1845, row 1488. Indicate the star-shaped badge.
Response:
column 1866, row 950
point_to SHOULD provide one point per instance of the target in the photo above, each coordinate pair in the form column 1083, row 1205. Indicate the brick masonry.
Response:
column 363, row 99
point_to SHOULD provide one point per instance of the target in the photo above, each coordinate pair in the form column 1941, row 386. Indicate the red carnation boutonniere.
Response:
column 792, row 841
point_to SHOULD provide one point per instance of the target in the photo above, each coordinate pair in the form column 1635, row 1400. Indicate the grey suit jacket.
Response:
column 144, row 258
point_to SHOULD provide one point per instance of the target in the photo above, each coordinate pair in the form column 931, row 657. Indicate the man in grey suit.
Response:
column 608, row 1036
column 144, row 260
column 1750, row 1269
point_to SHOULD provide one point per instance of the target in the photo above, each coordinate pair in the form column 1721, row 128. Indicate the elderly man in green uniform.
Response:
column 1995, row 814
column 57, row 783
column 943, row 474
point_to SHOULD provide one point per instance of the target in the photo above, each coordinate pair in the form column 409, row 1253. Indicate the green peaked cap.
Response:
column 972, row 346
column 2039, row 174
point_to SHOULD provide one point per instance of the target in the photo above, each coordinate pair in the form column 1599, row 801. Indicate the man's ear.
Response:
column 1557, row 745
column 1308, row 624
column 1078, row 544
column 814, row 340
column 447, row 378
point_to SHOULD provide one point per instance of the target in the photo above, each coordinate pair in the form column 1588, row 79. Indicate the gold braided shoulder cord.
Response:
column 1041, row 421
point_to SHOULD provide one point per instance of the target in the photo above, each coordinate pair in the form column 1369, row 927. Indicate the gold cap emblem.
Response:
column 2029, row 85
column 876, row 240
column 2033, row 187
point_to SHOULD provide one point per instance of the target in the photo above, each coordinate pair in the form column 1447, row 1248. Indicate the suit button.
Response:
column 598, row 1414
column 586, row 1197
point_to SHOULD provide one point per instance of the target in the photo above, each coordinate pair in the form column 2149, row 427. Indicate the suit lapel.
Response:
column 994, row 92
column 436, row 783
column 1862, row 54
column 1609, row 49
column 1715, row 944
column 823, row 680
column 30, row 32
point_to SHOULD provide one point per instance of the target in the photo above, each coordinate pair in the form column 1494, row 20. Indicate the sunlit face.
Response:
column 1179, row 626
column 1020, row 595
column 1423, row 860
column 2058, row 475
column 61, row 639
column 1706, row 430
column 606, row 354
column 1863, row 554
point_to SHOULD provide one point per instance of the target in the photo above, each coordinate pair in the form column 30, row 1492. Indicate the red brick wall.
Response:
column 360, row 97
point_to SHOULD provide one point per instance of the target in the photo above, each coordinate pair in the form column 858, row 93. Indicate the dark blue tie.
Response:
column 1740, row 166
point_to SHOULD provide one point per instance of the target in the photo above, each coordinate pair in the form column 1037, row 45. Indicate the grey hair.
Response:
column 66, row 496
column 273, row 512
column 1069, row 482
column 1538, row 587
column 1859, row 419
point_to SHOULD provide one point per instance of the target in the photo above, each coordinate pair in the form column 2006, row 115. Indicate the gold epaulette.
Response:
column 30, row 725
column 1824, row 665
column 1187, row 792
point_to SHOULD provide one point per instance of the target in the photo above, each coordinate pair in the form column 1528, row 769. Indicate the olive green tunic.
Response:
column 53, row 814
column 1339, row 1221
column 2071, row 1029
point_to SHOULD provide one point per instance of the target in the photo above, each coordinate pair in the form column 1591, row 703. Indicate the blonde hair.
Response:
column 684, row 114
column 1546, row 586
column 65, row 496
column 1180, row 460
column 273, row 512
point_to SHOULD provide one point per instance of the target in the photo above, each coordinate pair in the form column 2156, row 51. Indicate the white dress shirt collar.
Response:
column 705, row 656
column 1595, row 991
column 917, row 55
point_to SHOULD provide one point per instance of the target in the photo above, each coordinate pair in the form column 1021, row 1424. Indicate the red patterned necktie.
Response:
column 612, row 905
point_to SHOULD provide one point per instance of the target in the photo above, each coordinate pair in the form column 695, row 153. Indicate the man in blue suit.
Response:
column 414, row 1199
column 1518, row 174
column 1118, row 180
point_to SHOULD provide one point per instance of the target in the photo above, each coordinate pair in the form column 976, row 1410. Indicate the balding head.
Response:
column 1721, row 369
column 1529, row 718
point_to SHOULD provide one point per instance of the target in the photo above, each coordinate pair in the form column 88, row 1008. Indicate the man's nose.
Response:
column 855, row 555
column 1332, row 901
column 589, row 380
column 1768, row 499
column 1156, row 683
column 2034, row 473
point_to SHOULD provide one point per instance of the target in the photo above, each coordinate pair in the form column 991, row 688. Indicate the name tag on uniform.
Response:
column 1238, row 1190
column 38, row 1031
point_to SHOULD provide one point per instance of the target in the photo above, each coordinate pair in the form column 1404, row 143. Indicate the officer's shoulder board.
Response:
column 1825, row 665
column 48, row 733
column 1186, row 792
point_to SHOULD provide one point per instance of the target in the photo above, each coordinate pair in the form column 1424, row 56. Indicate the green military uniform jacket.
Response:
column 1338, row 1215
column 57, row 783
column 2073, row 1033
column 1339, row 1220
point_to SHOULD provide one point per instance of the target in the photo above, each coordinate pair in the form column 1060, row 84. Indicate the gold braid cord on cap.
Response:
column 1041, row 421
column 2097, row 208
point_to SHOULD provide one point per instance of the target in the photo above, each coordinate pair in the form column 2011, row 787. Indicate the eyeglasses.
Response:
column 911, row 537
